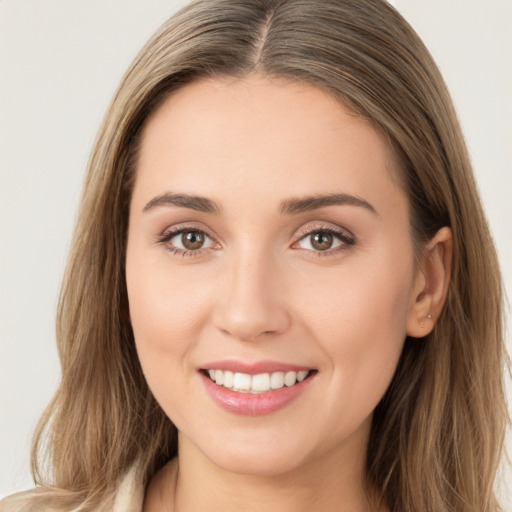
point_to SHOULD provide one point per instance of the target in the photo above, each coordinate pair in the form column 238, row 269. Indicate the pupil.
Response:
column 321, row 241
column 192, row 240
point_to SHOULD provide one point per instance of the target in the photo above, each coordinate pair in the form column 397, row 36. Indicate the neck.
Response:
column 192, row 482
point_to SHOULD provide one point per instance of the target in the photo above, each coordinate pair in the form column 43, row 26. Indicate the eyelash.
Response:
column 168, row 235
column 347, row 240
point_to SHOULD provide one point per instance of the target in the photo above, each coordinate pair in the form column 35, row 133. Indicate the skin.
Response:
column 259, row 290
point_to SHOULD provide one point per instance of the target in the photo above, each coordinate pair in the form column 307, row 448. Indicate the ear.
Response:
column 430, row 284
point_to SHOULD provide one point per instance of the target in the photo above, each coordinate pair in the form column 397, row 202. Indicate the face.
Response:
column 268, row 249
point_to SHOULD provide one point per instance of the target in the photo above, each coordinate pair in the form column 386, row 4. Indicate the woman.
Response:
column 282, row 290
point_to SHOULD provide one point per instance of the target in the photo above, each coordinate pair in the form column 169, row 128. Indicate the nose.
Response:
column 251, row 300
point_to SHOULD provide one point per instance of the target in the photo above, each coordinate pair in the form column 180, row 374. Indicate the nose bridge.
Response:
column 250, row 303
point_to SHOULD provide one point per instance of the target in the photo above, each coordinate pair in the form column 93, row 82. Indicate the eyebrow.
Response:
column 288, row 207
column 306, row 204
column 200, row 204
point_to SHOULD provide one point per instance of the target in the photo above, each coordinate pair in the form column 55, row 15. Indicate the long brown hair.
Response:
column 437, row 433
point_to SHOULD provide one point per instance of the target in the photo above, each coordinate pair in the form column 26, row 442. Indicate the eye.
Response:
column 325, row 240
column 186, row 240
column 190, row 240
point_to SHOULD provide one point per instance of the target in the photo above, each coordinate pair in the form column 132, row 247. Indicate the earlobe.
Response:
column 431, row 284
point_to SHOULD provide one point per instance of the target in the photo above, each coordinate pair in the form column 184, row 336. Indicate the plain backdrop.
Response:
column 60, row 62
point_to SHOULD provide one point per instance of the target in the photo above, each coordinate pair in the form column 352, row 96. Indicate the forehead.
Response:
column 260, row 136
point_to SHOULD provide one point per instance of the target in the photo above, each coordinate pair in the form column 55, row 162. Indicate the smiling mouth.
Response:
column 256, row 384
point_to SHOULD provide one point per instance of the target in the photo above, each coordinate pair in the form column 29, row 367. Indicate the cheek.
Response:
column 167, row 309
column 168, row 312
column 360, row 325
column 357, row 299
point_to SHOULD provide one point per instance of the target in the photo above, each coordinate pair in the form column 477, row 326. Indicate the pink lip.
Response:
column 254, row 368
column 248, row 404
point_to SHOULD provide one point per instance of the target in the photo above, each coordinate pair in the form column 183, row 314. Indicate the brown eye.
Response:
column 188, row 240
column 192, row 240
column 321, row 241
column 325, row 240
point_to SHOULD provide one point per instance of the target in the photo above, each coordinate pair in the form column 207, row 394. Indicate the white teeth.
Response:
column 290, row 378
column 301, row 375
column 277, row 380
column 260, row 383
column 241, row 381
column 228, row 379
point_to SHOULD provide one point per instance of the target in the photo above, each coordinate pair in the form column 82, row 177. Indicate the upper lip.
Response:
column 254, row 368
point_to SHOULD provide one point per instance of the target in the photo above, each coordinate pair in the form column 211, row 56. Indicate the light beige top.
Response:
column 130, row 493
column 128, row 498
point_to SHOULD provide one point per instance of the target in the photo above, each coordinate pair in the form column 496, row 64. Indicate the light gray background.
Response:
column 60, row 62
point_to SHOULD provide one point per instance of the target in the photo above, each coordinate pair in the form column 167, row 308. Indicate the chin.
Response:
column 258, row 462
column 260, row 456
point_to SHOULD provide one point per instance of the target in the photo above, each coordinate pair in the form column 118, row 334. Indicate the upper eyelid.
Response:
column 183, row 227
column 305, row 231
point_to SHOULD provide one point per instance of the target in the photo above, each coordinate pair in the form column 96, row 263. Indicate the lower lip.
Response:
column 249, row 404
